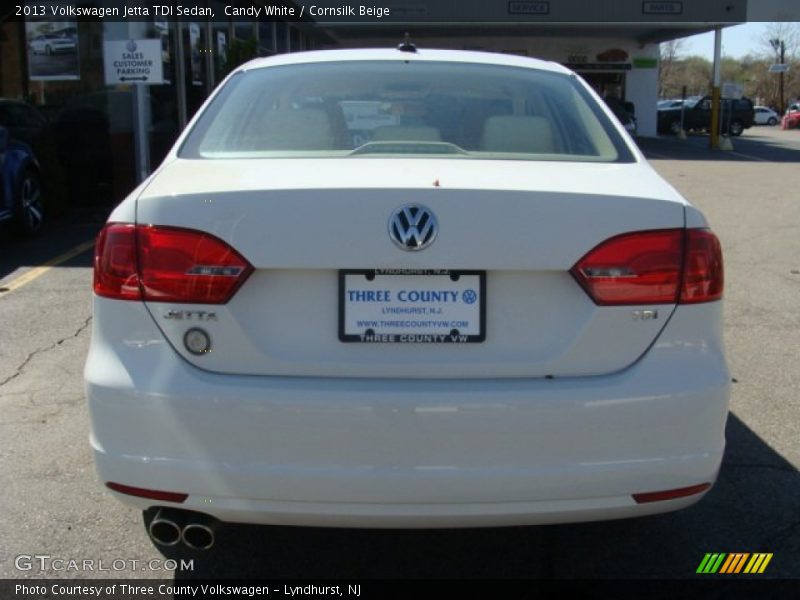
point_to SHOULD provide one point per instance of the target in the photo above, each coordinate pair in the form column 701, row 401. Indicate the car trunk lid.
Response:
column 300, row 222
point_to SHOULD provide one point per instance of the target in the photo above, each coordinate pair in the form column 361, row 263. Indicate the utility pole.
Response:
column 780, row 50
column 715, row 91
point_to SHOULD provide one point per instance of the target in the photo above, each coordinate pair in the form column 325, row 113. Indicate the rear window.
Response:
column 399, row 108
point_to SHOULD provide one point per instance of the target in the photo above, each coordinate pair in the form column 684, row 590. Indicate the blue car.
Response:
column 20, row 187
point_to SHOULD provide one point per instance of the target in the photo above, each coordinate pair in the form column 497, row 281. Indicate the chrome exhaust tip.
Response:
column 198, row 536
column 164, row 530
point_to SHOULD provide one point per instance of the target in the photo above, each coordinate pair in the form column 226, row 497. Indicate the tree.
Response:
column 789, row 33
column 781, row 43
column 751, row 71
column 668, row 68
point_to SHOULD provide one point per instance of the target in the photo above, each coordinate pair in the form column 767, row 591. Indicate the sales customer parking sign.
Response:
column 133, row 61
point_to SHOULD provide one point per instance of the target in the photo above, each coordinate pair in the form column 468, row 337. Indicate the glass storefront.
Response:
column 96, row 141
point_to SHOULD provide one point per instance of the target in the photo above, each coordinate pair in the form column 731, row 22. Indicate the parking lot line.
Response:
column 750, row 156
column 37, row 272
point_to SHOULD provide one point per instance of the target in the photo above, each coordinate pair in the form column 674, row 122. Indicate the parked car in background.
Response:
column 791, row 120
column 664, row 104
column 487, row 310
column 27, row 124
column 20, row 189
column 697, row 116
column 625, row 113
column 766, row 116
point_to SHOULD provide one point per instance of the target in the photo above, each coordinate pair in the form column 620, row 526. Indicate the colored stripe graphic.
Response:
column 734, row 563
column 703, row 563
column 755, row 562
column 726, row 566
column 711, row 563
column 765, row 563
column 740, row 564
column 758, row 563
column 717, row 563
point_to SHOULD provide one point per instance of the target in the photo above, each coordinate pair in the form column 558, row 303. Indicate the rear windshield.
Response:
column 402, row 109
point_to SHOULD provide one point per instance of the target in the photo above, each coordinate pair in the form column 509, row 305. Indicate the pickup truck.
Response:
column 697, row 116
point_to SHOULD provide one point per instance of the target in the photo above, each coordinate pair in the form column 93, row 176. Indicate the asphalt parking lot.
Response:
column 53, row 505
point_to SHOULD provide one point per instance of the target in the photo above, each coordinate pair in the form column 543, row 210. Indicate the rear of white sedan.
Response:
column 389, row 288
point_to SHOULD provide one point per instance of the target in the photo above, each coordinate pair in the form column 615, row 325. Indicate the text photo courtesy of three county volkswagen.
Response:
column 405, row 296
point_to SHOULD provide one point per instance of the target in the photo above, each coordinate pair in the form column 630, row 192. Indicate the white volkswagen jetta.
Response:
column 401, row 288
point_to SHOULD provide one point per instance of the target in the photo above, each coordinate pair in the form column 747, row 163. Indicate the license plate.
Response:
column 412, row 306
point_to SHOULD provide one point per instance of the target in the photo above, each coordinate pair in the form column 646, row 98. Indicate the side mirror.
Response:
column 3, row 139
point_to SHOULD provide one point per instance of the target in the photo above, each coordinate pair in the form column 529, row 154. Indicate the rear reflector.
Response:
column 670, row 494
column 145, row 493
column 653, row 267
column 166, row 264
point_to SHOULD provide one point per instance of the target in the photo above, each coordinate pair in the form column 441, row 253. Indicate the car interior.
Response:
column 438, row 112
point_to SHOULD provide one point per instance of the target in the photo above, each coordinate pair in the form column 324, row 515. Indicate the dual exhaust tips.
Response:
column 170, row 527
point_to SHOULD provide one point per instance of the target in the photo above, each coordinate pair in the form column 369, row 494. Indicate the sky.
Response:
column 736, row 41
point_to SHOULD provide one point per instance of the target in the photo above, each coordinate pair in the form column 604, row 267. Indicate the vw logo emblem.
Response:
column 413, row 227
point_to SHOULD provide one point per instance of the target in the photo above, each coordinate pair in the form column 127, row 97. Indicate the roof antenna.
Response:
column 407, row 46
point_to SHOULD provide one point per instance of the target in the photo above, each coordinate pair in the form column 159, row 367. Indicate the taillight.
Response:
column 703, row 274
column 653, row 267
column 183, row 265
column 634, row 268
column 115, row 272
column 166, row 264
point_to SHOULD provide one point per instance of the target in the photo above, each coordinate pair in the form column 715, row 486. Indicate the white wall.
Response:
column 642, row 90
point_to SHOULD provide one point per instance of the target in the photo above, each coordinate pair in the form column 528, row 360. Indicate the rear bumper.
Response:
column 406, row 453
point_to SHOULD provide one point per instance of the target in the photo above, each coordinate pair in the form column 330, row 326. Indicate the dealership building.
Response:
column 117, row 90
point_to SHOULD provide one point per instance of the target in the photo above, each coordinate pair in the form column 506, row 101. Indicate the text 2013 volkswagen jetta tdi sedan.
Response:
column 405, row 289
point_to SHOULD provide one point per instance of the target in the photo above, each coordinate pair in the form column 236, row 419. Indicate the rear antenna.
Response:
column 406, row 46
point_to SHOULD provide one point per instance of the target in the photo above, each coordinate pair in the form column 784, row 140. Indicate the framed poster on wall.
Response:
column 52, row 50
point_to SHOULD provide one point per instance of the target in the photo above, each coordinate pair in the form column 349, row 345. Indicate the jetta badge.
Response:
column 413, row 227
